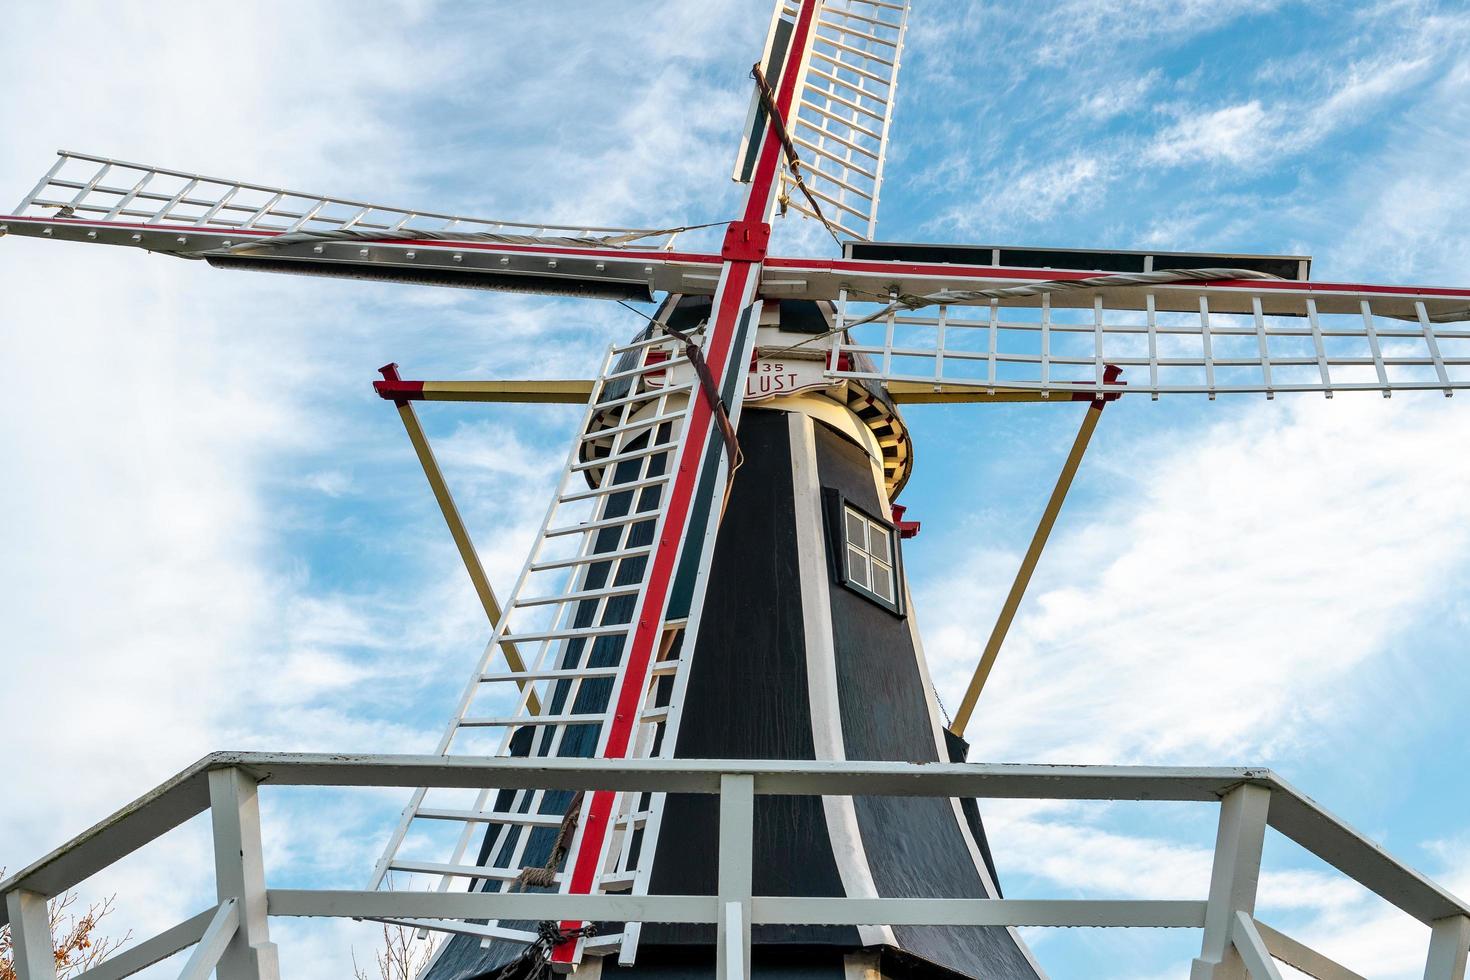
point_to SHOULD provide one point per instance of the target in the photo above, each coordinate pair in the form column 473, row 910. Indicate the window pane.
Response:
column 857, row 531
column 883, row 581
column 878, row 543
column 857, row 567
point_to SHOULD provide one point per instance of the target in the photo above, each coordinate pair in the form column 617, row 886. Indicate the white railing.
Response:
column 232, row 937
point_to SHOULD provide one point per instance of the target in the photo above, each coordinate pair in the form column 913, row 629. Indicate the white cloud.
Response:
column 1405, row 204
column 1237, row 571
column 1238, row 135
column 1120, row 96
column 1037, row 191
column 1333, row 97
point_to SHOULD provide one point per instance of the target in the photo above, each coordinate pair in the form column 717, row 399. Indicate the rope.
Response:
column 495, row 237
column 545, row 876
column 534, row 961
column 768, row 101
column 734, row 457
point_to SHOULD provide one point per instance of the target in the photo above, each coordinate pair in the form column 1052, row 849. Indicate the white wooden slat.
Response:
column 856, row 88
column 458, row 927
column 993, row 350
column 1317, row 345
column 491, row 816
column 589, row 559
column 620, row 521
column 819, row 127
column 580, row 595
column 1433, row 346
column 846, row 163
column 816, row 90
column 1372, row 334
column 841, row 120
column 836, row 221
column 1099, row 369
column 1260, row 322
column 856, row 52
column 126, row 199
column 939, row 343
column 835, row 62
column 1205, row 346
column 455, row 870
column 1046, row 341
column 514, row 721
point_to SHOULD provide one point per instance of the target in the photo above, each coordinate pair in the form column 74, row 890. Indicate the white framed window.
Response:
column 864, row 552
column 869, row 555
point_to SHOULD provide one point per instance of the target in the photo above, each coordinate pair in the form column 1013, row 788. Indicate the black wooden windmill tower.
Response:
column 720, row 573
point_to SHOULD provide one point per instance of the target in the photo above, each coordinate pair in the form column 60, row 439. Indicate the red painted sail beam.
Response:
column 853, row 267
column 838, row 271
column 739, row 278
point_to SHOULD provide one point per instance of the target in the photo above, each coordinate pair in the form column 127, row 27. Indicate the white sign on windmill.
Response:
column 778, row 367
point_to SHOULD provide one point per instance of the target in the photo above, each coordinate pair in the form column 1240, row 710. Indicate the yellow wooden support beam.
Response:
column 1028, row 565
column 545, row 392
column 573, row 392
column 459, row 533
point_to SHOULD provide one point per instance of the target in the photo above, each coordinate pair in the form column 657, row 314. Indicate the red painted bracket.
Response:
column 746, row 241
column 395, row 389
column 906, row 529
column 1111, row 374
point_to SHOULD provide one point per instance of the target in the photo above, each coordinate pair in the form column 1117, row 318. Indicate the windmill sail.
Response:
column 1048, row 332
column 844, row 110
column 238, row 224
column 573, row 614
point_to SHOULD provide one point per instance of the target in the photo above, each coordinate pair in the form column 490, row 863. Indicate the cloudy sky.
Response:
column 219, row 537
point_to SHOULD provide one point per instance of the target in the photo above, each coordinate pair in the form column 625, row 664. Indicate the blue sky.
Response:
column 221, row 539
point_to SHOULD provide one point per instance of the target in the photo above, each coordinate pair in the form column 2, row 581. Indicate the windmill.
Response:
column 720, row 573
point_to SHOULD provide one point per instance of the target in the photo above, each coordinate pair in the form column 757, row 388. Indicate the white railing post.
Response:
column 239, row 870
column 1233, row 880
column 737, row 814
column 1448, row 942
column 32, row 947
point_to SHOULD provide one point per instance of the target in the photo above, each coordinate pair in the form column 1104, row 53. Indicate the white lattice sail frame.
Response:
column 1242, row 337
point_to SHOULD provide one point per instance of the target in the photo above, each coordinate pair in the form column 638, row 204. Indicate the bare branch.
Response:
column 78, row 946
